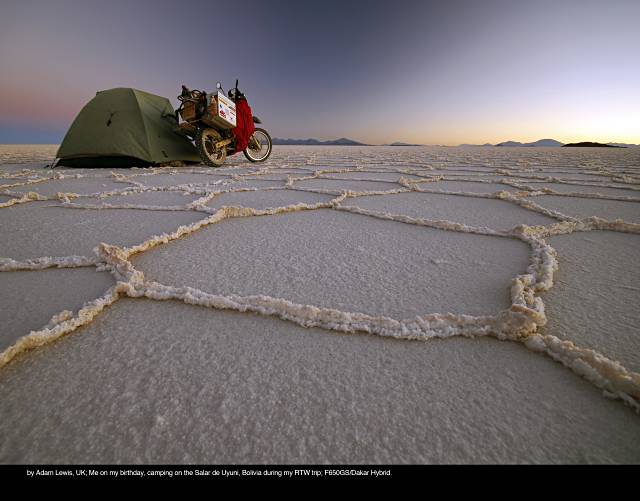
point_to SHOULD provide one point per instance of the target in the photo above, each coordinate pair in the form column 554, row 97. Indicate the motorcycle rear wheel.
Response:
column 206, row 140
column 260, row 146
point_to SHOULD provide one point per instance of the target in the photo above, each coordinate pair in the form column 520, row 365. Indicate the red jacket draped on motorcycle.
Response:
column 244, row 125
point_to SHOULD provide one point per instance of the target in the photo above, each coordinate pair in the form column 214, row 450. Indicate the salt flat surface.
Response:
column 589, row 303
column 339, row 184
column 586, row 207
column 47, row 229
column 8, row 181
column 466, row 186
column 594, row 189
column 457, row 172
column 371, row 175
column 146, row 198
column 226, row 387
column 278, row 176
column 177, row 179
column 81, row 186
column 291, row 326
column 572, row 175
column 345, row 261
column 497, row 214
column 256, row 183
column 266, row 199
column 31, row 298
column 12, row 154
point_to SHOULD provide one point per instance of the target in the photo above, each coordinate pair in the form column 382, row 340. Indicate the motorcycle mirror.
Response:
column 218, row 85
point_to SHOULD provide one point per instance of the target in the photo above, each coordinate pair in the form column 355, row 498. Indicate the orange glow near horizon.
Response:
column 568, row 127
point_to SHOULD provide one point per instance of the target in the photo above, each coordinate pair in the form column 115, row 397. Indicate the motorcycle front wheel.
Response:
column 206, row 140
column 260, row 146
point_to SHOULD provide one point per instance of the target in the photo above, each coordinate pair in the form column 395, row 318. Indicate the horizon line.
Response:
column 394, row 143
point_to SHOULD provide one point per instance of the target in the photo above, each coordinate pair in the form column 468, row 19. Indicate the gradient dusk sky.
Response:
column 432, row 72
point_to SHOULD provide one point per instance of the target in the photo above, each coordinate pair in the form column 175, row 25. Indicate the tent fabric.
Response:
column 244, row 125
column 125, row 127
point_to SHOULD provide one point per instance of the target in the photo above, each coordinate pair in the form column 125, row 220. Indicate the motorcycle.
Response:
column 222, row 125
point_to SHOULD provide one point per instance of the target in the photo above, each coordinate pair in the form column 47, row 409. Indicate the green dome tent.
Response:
column 125, row 127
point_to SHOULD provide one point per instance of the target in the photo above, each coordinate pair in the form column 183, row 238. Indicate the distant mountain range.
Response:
column 551, row 143
column 343, row 141
column 539, row 142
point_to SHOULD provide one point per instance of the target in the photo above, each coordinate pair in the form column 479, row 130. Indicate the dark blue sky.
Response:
column 422, row 71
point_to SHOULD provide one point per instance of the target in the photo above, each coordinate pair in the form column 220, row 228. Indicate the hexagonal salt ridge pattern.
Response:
column 368, row 172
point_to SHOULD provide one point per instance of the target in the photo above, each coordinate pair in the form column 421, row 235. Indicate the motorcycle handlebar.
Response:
column 188, row 94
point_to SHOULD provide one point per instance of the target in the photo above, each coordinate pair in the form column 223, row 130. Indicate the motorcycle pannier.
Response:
column 221, row 112
column 188, row 111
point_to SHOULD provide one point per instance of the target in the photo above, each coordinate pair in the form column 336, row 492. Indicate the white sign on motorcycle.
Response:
column 226, row 110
